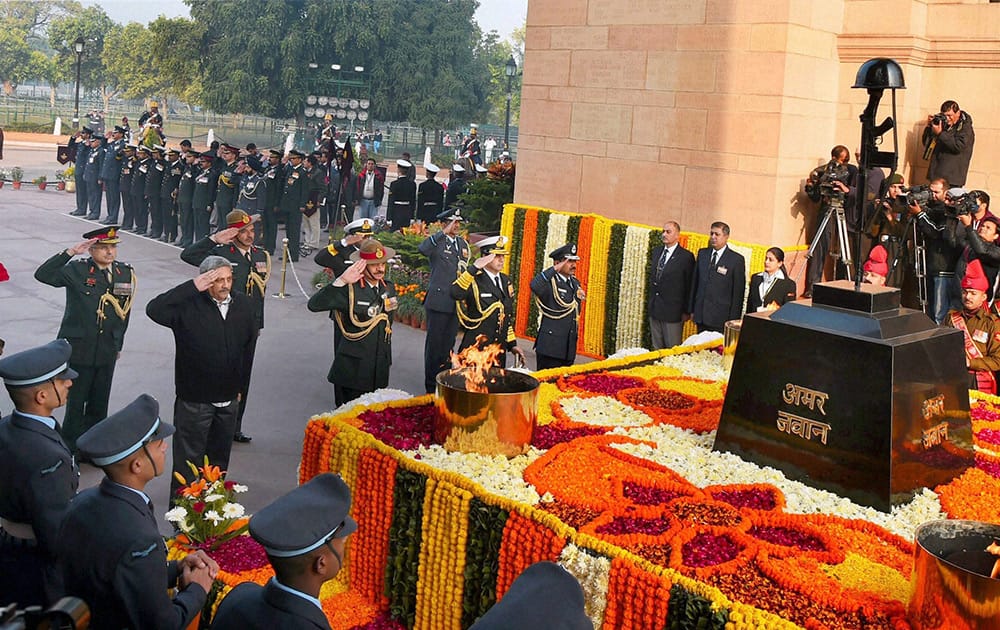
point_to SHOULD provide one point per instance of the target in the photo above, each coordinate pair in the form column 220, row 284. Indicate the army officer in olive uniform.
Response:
column 486, row 300
column 363, row 304
column 558, row 295
column 251, row 269
column 99, row 295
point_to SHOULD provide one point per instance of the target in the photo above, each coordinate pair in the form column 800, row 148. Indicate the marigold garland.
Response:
column 584, row 245
column 441, row 567
column 525, row 542
column 597, row 283
column 372, row 507
column 526, row 271
column 637, row 600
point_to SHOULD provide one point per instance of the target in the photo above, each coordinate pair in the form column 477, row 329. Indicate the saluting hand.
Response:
column 225, row 236
column 482, row 261
column 81, row 248
column 352, row 274
column 353, row 239
column 205, row 280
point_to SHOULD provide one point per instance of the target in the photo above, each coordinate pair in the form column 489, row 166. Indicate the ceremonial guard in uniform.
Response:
column 430, row 196
column 228, row 188
column 363, row 304
column 110, row 553
column 485, row 298
column 140, row 173
column 337, row 255
column 154, row 183
column 81, row 143
column 125, row 188
column 449, row 256
column 203, row 197
column 456, row 187
column 558, row 295
column 99, row 295
column 111, row 172
column 185, row 197
column 293, row 201
column 274, row 178
column 471, row 148
column 38, row 475
column 251, row 269
column 402, row 197
column 92, row 176
column 168, row 194
column 304, row 534
column 981, row 330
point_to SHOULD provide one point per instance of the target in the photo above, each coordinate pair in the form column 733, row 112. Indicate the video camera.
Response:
column 918, row 196
column 965, row 205
column 821, row 182
column 69, row 613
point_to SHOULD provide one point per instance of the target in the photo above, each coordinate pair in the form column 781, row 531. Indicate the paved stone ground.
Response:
column 293, row 354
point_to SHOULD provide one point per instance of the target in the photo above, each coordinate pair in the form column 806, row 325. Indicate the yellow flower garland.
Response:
column 441, row 570
column 597, row 287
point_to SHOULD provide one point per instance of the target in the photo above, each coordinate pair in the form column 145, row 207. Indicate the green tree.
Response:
column 14, row 50
column 128, row 60
column 178, row 71
column 93, row 24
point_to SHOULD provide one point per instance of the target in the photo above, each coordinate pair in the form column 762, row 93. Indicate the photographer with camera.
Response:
column 975, row 232
column 887, row 228
column 930, row 208
column 829, row 185
column 948, row 140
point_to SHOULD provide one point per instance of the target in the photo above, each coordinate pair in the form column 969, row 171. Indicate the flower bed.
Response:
column 657, row 527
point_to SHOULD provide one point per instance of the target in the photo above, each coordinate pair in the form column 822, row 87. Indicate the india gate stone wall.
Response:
column 717, row 109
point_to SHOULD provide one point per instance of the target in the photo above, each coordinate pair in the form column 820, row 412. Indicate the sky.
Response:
column 502, row 16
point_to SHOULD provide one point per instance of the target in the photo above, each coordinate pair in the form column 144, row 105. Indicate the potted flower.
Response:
column 41, row 181
column 16, row 176
column 61, row 176
column 70, row 175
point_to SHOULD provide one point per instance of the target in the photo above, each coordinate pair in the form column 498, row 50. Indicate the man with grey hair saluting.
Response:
column 214, row 330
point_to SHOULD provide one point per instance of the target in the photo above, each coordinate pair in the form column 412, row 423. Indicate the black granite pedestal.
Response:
column 852, row 394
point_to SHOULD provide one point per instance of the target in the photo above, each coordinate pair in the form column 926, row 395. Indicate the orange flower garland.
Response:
column 372, row 508
column 315, row 445
column 525, row 542
column 973, row 495
column 526, row 271
column 637, row 600
column 584, row 243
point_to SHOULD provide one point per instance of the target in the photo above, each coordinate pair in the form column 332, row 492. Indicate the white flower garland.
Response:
column 555, row 237
column 603, row 411
column 628, row 331
column 705, row 364
column 592, row 572
column 495, row 473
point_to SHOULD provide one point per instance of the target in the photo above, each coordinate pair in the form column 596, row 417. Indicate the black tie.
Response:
column 663, row 260
column 715, row 258
column 499, row 288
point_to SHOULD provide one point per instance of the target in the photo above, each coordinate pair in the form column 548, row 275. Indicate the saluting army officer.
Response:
column 449, row 256
column 38, row 476
column 294, row 197
column 558, row 295
column 99, row 295
column 337, row 255
column 486, row 300
column 304, row 534
column 110, row 553
column 363, row 304
column 251, row 269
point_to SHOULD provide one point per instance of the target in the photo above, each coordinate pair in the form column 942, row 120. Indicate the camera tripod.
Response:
column 840, row 245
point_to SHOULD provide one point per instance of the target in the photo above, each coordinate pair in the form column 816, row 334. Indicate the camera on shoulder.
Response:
column 69, row 613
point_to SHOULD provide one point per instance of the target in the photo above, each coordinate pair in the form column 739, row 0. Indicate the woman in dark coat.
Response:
column 772, row 286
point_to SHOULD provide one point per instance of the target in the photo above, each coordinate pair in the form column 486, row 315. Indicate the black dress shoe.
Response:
column 77, row 214
column 241, row 437
column 91, row 217
column 154, row 234
column 107, row 222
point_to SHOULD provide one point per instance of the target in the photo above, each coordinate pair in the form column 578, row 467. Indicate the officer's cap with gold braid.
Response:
column 373, row 252
column 364, row 227
column 566, row 252
column 494, row 245
column 239, row 219
column 107, row 235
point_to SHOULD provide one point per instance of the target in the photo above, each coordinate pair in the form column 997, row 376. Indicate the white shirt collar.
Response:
column 292, row 591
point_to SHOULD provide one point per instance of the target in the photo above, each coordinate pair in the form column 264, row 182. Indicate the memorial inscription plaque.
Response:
column 852, row 394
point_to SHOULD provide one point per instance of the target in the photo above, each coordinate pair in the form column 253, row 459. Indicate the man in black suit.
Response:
column 719, row 282
column 215, row 329
column 670, row 274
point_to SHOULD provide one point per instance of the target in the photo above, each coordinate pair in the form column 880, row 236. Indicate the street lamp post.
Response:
column 78, row 48
column 509, row 69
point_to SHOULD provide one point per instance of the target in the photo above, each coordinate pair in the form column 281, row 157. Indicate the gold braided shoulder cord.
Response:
column 366, row 326
column 109, row 298
column 255, row 279
column 568, row 308
column 469, row 322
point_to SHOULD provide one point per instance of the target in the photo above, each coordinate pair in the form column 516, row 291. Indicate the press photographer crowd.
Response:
column 935, row 241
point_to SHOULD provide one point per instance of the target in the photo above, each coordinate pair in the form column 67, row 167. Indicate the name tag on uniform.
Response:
column 722, row 270
column 360, row 303
column 203, row 179
column 485, row 295
column 159, row 167
column 981, row 336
